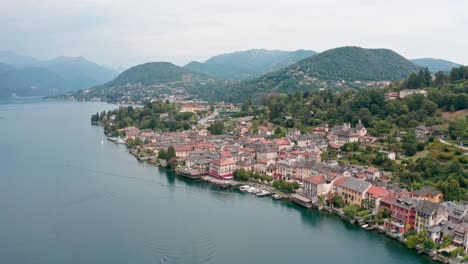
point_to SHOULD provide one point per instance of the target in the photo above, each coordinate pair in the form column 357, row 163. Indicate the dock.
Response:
column 301, row 200
column 193, row 175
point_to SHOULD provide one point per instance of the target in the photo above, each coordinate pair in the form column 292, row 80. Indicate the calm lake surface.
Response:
column 67, row 198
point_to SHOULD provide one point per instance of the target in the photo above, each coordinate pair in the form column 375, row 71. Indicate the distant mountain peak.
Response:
column 435, row 65
column 248, row 64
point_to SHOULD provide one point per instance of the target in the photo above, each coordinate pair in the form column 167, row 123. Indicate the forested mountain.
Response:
column 435, row 65
column 151, row 80
column 26, row 76
column 243, row 65
column 30, row 81
column 333, row 69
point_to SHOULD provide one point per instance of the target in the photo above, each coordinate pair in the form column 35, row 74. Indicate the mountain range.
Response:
column 28, row 76
column 152, row 80
column 435, row 65
column 334, row 69
column 243, row 65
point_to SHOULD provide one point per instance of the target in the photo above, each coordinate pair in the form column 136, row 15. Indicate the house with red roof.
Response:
column 373, row 197
column 318, row 185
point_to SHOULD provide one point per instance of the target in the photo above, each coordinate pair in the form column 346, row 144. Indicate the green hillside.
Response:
column 243, row 65
column 151, row 80
column 334, row 69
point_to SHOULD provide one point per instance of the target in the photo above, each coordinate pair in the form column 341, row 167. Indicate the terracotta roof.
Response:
column 372, row 170
column 339, row 182
column 183, row 148
column 389, row 198
column 318, row 179
column 377, row 192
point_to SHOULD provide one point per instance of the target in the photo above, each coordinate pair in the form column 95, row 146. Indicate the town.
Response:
column 235, row 152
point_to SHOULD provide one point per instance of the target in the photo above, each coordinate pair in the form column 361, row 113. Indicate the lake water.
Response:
column 67, row 198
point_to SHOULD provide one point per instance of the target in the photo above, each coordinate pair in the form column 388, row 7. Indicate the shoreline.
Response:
column 232, row 184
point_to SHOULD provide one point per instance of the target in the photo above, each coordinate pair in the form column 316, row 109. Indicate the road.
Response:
column 204, row 121
column 455, row 145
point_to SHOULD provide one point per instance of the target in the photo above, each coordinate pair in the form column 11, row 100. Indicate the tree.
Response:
column 171, row 153
column 410, row 149
column 162, row 154
column 217, row 128
column 411, row 241
column 338, row 201
column 458, row 128
column 428, row 244
column 350, row 211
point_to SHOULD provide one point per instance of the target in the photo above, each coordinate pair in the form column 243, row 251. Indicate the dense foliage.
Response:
column 158, row 116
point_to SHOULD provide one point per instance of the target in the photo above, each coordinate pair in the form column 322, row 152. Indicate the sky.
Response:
column 123, row 33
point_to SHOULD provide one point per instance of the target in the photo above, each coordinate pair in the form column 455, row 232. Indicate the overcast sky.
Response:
column 129, row 32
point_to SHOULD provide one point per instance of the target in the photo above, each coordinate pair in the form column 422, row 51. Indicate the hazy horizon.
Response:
column 127, row 33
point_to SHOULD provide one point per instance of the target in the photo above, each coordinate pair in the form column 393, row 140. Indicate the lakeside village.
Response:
column 291, row 167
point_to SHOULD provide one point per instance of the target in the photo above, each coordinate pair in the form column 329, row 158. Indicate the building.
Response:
column 222, row 168
column 429, row 214
column 354, row 190
column 429, row 194
column 345, row 133
column 372, row 173
column 373, row 197
column 391, row 95
column 183, row 151
column 314, row 186
column 456, row 212
column 406, row 92
column 194, row 108
column 403, row 214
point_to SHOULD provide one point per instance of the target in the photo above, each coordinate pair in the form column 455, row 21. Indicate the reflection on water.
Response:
column 67, row 198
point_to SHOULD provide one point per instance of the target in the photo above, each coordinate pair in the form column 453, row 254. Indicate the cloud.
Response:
column 125, row 32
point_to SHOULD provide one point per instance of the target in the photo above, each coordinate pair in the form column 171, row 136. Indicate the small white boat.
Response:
column 276, row 196
column 365, row 226
column 102, row 142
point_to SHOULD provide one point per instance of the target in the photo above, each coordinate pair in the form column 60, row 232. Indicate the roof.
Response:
column 427, row 190
column 377, row 192
column 372, row 170
column 406, row 202
column 222, row 162
column 356, row 185
column 389, row 198
column 183, row 148
column 318, row 179
column 427, row 208
column 339, row 182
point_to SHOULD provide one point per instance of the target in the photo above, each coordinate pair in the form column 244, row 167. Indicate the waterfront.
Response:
column 67, row 198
